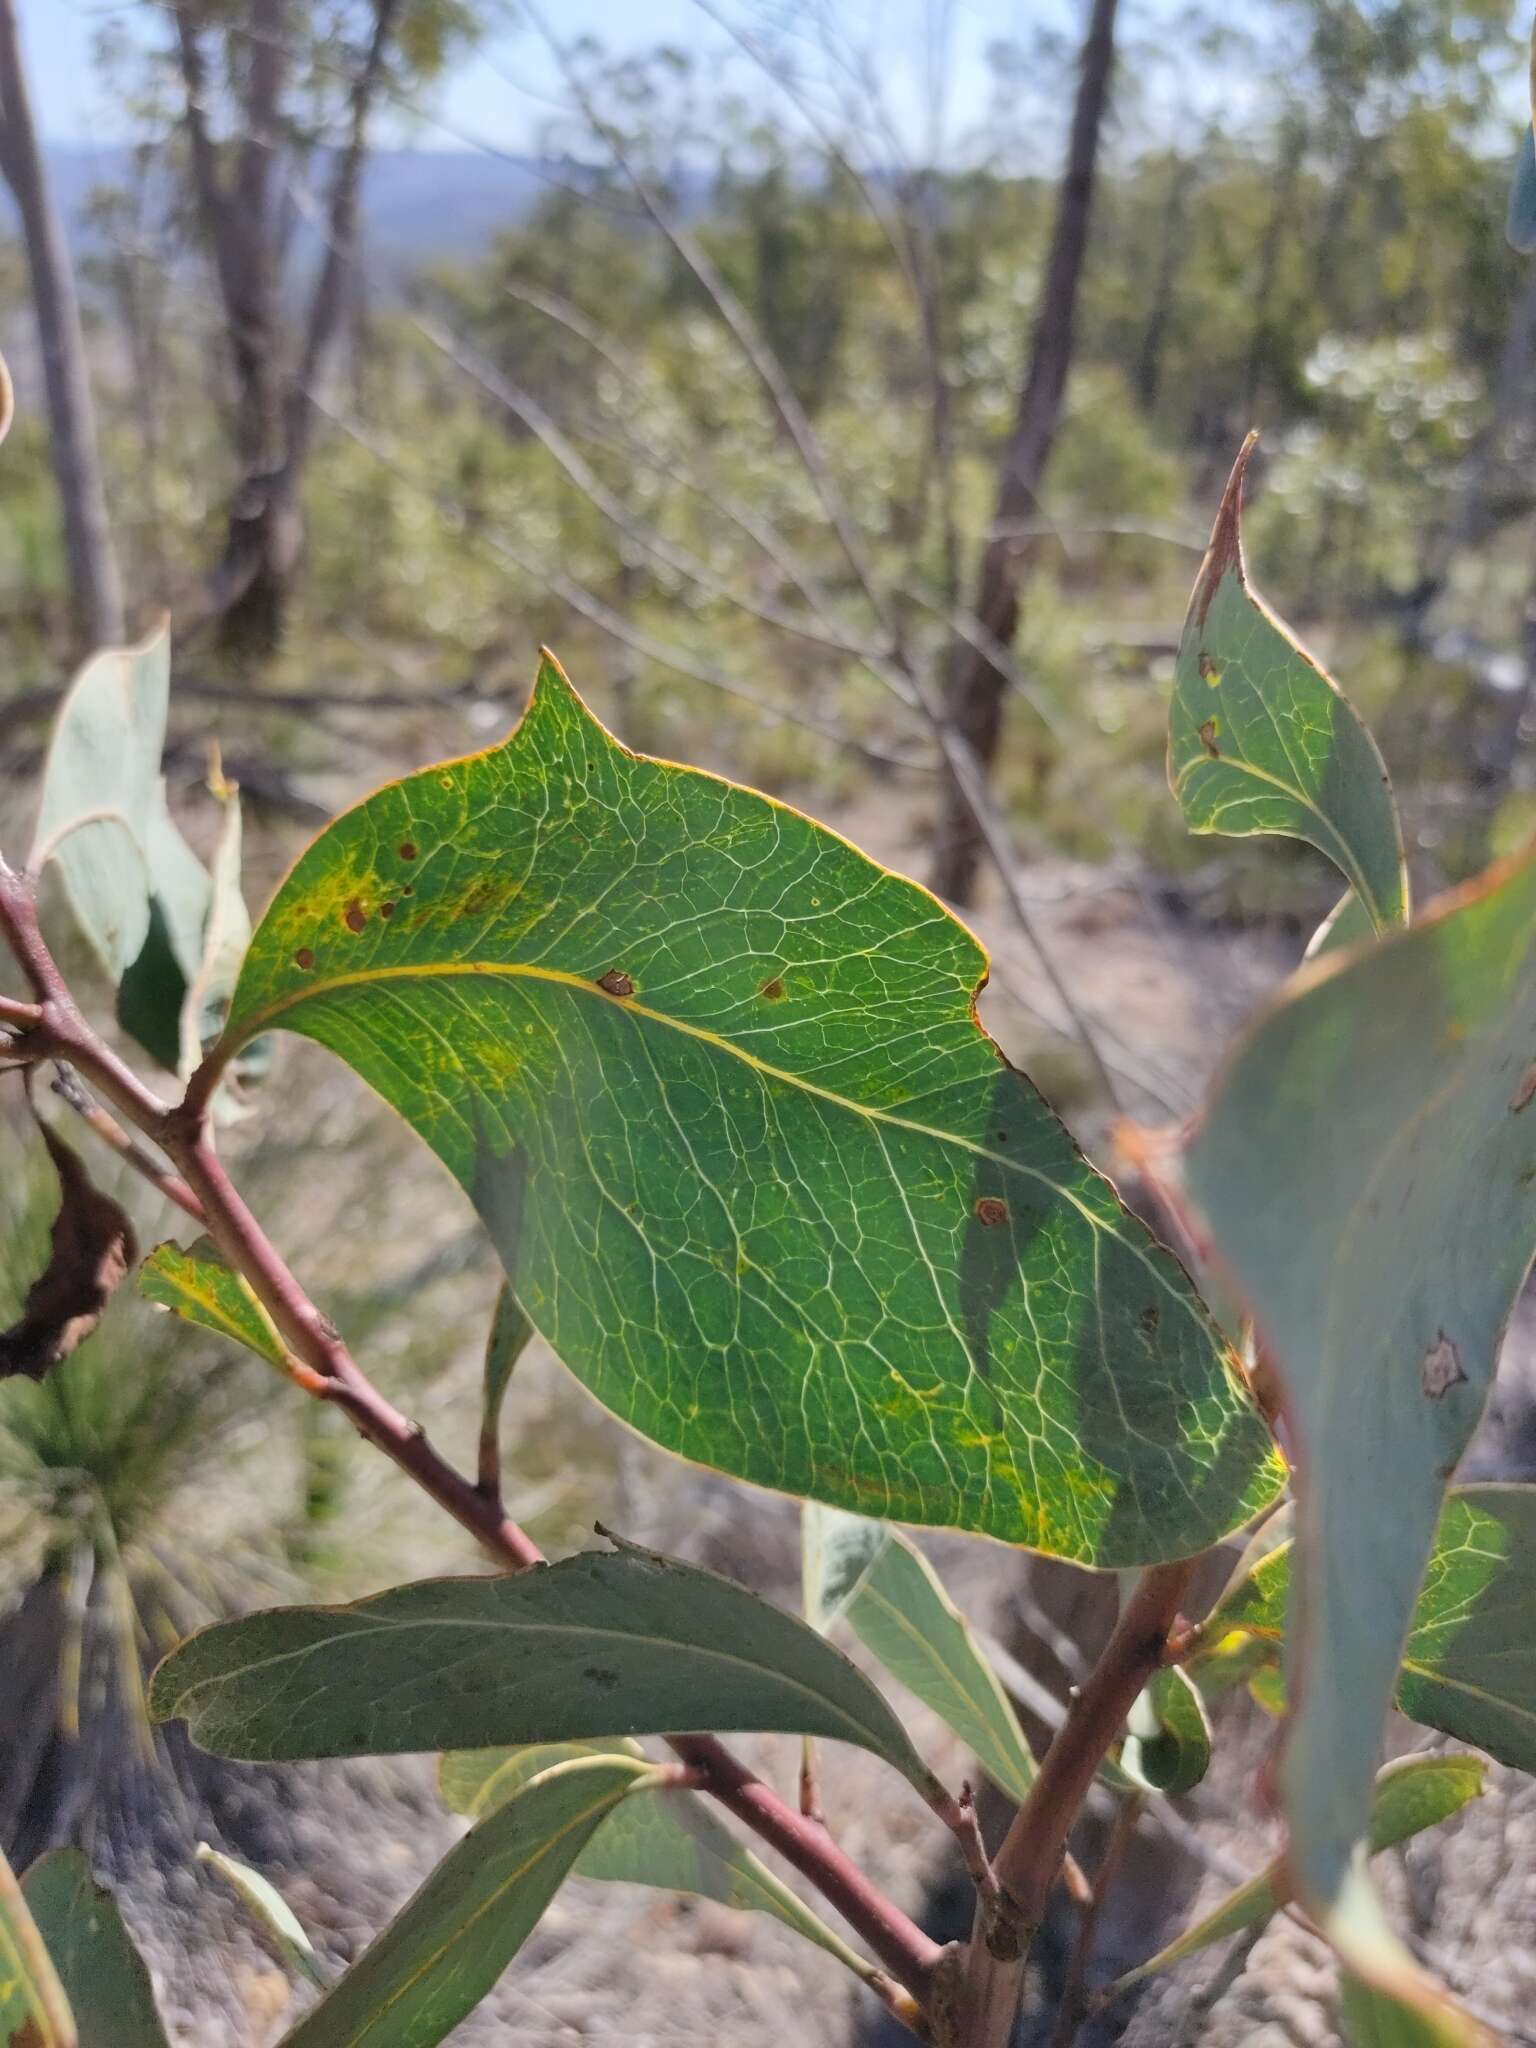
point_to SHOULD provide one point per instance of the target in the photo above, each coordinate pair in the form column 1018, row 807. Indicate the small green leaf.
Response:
column 103, row 1974
column 1469, row 1664
column 442, row 1953
column 101, row 789
column 34, row 2012
column 1415, row 1793
column 199, row 1285
column 510, row 1332
column 836, row 1550
column 1366, row 1166
column 788, row 1211
column 1261, row 740
column 670, row 1841
column 268, row 1906
column 602, row 1644
column 899, row 1611
column 1167, row 1747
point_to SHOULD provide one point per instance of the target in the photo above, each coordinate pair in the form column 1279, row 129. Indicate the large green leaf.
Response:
column 670, row 1840
column 1469, row 1664
column 1367, row 1168
column 198, row 1284
column 899, row 1611
column 103, row 1974
column 442, row 1953
column 1415, row 1793
column 34, row 2013
column 716, row 1084
column 623, row 1643
column 1261, row 740
column 102, row 792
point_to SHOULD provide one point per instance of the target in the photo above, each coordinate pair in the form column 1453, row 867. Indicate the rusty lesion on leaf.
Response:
column 1208, row 732
column 91, row 1247
column 773, row 990
column 1525, row 1092
column 304, row 958
column 616, row 983
column 991, row 1210
column 1225, row 552
column 354, row 916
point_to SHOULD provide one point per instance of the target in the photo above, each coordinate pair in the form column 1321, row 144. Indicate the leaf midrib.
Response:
column 265, row 1018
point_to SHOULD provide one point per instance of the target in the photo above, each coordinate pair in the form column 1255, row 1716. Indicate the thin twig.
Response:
column 106, row 1127
column 1074, row 2007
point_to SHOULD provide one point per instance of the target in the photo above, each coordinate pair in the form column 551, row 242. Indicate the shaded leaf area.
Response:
column 1469, row 1663
column 442, row 1953
column 510, row 1332
column 1415, row 1793
column 1374, row 2018
column 896, row 1605
column 1167, row 1747
column 198, row 1284
column 103, row 1974
column 1366, row 1167
column 1261, row 740
column 34, row 2012
column 597, row 1645
column 270, row 1910
column 715, row 1083
column 670, row 1840
column 90, row 1249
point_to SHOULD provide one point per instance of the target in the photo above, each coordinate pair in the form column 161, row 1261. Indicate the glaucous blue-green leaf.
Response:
column 836, row 1550
column 1261, row 740
column 715, row 1082
column 1366, row 1166
column 197, row 1283
column 670, row 1840
column 1412, row 1794
column 442, row 1953
column 510, row 1332
column 1469, row 1663
column 1167, row 1746
column 34, row 2011
column 152, row 995
column 270, row 1910
column 623, row 1643
column 102, row 793
column 1375, row 2017
column 898, row 1609
column 103, row 1974
column 222, row 939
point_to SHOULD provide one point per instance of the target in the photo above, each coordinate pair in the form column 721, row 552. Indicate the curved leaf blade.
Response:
column 788, row 1212
column 442, row 1953
column 103, row 1974
column 601, row 1644
column 197, row 1283
column 1412, row 1794
column 1260, row 739
column 1167, row 1747
column 669, row 1841
column 1366, row 1166
column 270, row 1910
column 899, row 1610
column 33, row 2008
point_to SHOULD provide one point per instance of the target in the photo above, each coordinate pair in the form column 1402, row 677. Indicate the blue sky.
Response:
column 59, row 36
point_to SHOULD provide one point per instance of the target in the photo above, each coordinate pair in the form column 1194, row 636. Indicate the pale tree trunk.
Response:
column 975, row 689
column 250, row 590
column 95, row 589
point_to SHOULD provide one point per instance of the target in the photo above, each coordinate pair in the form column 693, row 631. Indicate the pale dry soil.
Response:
column 349, row 1842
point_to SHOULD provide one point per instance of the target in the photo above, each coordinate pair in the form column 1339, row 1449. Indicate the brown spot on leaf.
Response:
column 407, row 849
column 1442, row 1368
column 1225, row 552
column 1209, row 672
column 991, row 1210
column 354, row 917
column 386, row 910
column 600, row 1675
column 409, row 889
column 304, row 958
column 28, row 2035
column 773, row 991
column 91, row 1248
column 1208, row 733
column 1526, row 1091
column 1147, row 1320
column 616, row 982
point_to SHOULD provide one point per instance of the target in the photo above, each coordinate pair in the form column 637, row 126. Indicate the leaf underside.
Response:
column 1366, row 1164
column 1260, row 739
column 103, row 1975
column 715, row 1083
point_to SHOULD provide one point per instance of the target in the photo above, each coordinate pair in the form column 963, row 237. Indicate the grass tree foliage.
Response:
column 714, row 1082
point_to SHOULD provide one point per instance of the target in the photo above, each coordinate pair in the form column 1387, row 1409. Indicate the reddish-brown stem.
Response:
column 20, row 1016
column 128, row 1149
column 1030, row 1859
column 58, row 1030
